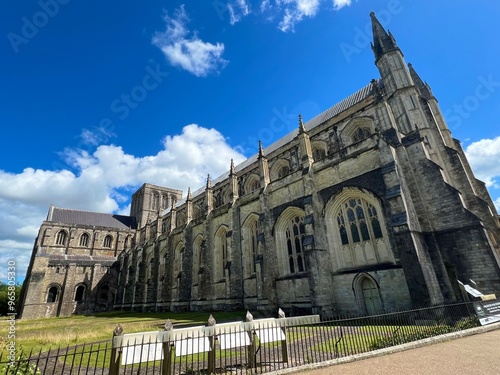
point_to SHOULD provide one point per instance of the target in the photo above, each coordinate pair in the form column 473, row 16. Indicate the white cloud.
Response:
column 237, row 10
column 96, row 136
column 339, row 4
column 103, row 182
column 188, row 52
column 295, row 10
column 497, row 204
column 484, row 157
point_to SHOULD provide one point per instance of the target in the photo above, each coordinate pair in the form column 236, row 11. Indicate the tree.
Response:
column 5, row 293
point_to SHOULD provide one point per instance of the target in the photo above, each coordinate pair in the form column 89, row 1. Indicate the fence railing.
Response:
column 254, row 346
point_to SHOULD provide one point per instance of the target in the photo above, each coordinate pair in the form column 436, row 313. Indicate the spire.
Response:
column 261, row 150
column 302, row 128
column 232, row 171
column 209, row 184
column 423, row 87
column 382, row 41
column 189, row 197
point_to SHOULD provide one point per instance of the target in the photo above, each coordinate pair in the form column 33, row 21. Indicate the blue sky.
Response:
column 100, row 97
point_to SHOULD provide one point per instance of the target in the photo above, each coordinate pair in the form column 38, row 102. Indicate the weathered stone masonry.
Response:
column 370, row 206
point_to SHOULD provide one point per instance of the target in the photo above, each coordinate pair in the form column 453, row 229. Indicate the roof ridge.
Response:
column 87, row 211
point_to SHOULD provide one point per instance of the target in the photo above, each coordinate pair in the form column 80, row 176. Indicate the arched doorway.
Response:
column 370, row 297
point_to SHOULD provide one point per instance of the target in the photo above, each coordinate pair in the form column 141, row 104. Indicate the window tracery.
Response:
column 84, row 240
column 108, row 241
column 61, row 237
column 361, row 133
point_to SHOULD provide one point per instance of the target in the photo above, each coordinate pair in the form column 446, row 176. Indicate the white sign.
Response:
column 233, row 340
column 191, row 345
column 270, row 334
column 142, row 353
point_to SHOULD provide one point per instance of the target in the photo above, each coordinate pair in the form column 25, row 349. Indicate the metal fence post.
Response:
column 250, row 348
column 167, row 351
column 211, row 352
column 116, row 350
column 284, row 348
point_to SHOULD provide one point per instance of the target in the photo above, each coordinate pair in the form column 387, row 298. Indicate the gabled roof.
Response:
column 97, row 219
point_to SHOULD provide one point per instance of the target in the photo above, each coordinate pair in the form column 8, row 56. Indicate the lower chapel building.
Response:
column 371, row 206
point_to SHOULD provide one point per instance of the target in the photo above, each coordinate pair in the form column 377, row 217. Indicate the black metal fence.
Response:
column 250, row 347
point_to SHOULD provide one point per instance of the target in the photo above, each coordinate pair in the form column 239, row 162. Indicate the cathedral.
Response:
column 369, row 207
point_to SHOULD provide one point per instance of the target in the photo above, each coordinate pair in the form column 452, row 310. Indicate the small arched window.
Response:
column 252, row 183
column 181, row 219
column 61, row 237
column 164, row 201
column 360, row 134
column 80, row 293
column 283, row 171
column 107, row 241
column 318, row 154
column 52, row 294
column 155, row 200
column 84, row 240
column 196, row 211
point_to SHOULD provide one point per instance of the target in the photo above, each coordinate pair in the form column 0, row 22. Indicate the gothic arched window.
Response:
column 61, row 237
column 318, row 154
column 280, row 169
column 80, row 293
column 221, row 253
column 360, row 134
column 178, row 255
column 155, row 201
column 295, row 233
column 53, row 294
column 107, row 241
column 197, row 258
column 84, row 240
column 181, row 219
column 164, row 201
column 252, row 183
column 283, row 171
column 250, row 244
column 356, row 230
column 358, row 221
column 290, row 233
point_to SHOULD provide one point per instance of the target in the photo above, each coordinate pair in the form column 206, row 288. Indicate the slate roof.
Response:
column 60, row 259
column 97, row 219
column 331, row 112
